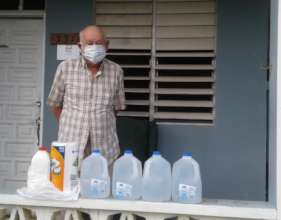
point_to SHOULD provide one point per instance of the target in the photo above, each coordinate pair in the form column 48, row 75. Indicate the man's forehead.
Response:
column 93, row 34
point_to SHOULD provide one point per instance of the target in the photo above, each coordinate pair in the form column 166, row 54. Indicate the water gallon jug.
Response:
column 157, row 179
column 39, row 169
column 95, row 180
column 127, row 174
column 186, row 180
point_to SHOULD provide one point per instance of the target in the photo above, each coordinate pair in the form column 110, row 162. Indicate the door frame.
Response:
column 38, row 15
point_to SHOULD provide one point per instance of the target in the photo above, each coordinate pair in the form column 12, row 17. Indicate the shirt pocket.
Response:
column 103, row 100
column 76, row 93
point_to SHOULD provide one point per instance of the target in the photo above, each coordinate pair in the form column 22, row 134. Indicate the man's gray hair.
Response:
column 81, row 33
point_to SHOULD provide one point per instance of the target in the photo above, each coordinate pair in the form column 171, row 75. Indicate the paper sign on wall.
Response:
column 65, row 52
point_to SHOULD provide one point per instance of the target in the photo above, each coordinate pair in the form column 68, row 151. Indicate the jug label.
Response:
column 64, row 165
column 98, row 186
column 123, row 190
column 57, row 157
column 186, row 191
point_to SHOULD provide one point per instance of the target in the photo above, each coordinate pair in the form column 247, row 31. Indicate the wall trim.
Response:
column 22, row 14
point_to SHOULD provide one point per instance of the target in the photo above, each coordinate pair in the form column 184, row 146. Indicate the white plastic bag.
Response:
column 39, row 187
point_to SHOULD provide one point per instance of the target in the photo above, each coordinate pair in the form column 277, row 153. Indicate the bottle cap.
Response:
column 128, row 151
column 156, row 152
column 43, row 148
column 96, row 151
column 187, row 154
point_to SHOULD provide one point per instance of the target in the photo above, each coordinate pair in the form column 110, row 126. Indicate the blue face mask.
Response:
column 94, row 53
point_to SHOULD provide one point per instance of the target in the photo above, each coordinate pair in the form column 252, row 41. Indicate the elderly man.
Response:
column 85, row 94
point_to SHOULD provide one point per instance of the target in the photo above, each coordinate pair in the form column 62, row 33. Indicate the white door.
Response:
column 21, row 43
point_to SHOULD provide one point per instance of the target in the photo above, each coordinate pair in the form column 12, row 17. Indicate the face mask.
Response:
column 94, row 53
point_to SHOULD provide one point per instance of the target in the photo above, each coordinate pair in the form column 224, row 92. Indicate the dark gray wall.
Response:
column 61, row 16
column 232, row 153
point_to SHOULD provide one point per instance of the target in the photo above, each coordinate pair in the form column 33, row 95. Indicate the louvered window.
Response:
column 167, row 51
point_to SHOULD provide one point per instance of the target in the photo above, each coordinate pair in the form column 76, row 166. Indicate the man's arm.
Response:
column 55, row 98
column 119, row 100
column 57, row 111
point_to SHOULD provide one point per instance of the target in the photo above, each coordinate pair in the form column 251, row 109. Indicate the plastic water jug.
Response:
column 95, row 181
column 157, row 179
column 39, row 169
column 187, row 186
column 127, row 174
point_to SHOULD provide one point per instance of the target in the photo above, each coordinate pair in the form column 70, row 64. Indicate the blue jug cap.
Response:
column 96, row 151
column 156, row 153
column 187, row 154
column 128, row 151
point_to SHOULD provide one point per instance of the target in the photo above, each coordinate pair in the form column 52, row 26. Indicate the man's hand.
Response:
column 57, row 111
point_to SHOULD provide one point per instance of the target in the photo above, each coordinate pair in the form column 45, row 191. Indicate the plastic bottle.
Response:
column 39, row 169
column 95, row 180
column 127, row 174
column 157, row 179
column 187, row 186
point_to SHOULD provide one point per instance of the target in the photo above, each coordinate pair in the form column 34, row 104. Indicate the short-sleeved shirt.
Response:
column 88, row 105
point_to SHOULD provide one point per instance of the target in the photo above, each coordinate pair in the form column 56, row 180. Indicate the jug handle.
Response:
column 197, row 174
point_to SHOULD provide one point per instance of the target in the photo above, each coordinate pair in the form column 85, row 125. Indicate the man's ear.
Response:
column 79, row 45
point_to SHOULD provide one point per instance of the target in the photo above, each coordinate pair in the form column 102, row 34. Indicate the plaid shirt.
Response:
column 88, row 105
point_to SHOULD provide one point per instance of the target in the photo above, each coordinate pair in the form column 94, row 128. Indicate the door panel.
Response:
column 21, row 42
